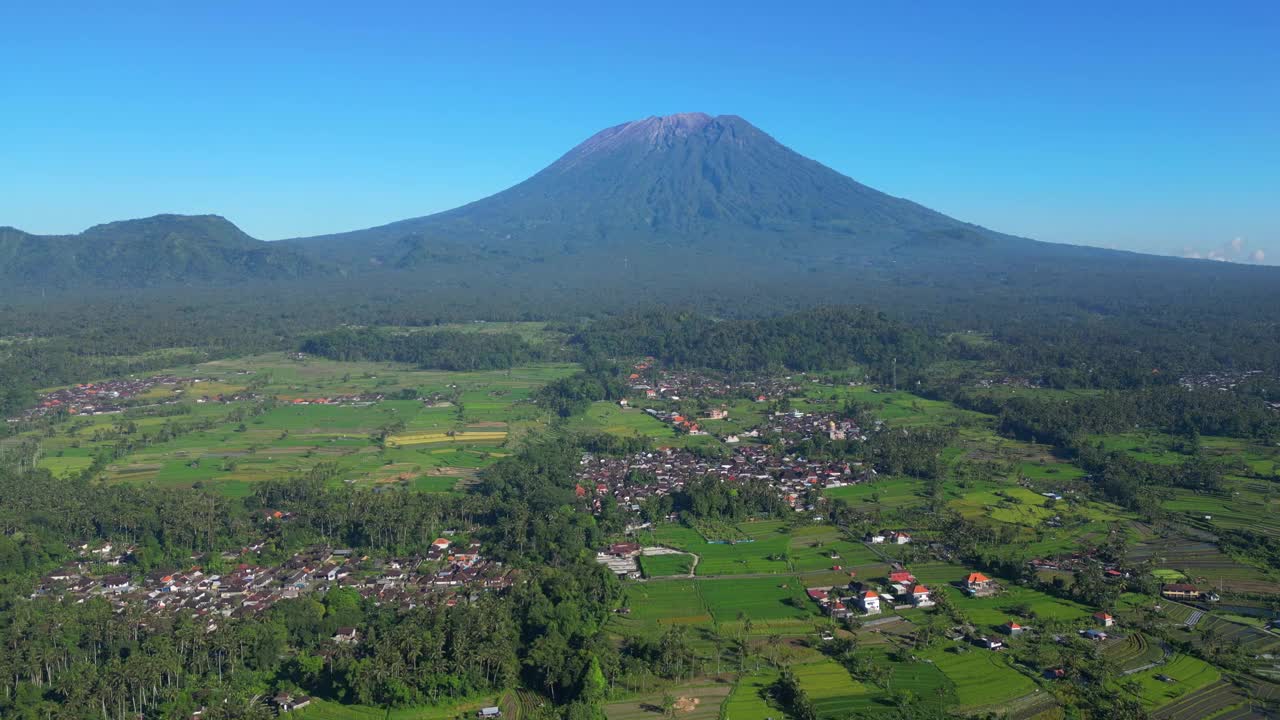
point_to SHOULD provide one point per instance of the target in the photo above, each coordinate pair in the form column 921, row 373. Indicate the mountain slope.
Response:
column 150, row 252
column 686, row 182
column 650, row 211
column 684, row 205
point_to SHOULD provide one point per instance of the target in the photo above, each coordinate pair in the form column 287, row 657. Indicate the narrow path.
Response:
column 738, row 576
column 1164, row 647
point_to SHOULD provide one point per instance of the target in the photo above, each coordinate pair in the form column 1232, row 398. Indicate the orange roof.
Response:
column 871, row 594
column 1102, row 615
column 919, row 589
column 977, row 577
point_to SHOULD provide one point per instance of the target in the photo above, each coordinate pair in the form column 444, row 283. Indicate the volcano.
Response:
column 686, row 183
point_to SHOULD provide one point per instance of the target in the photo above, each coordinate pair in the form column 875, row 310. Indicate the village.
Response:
column 633, row 479
column 441, row 575
column 102, row 398
column 677, row 384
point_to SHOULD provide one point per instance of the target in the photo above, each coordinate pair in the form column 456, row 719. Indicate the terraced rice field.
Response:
column 492, row 437
column 694, row 702
column 750, row 700
column 1188, row 675
column 1132, row 651
column 1221, row 701
column 980, row 677
column 835, row 694
column 1203, row 563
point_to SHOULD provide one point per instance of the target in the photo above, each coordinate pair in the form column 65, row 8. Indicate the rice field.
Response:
column 493, row 437
column 750, row 699
column 981, row 677
column 664, row 565
column 1186, row 675
column 433, row 446
column 835, row 694
column 695, row 701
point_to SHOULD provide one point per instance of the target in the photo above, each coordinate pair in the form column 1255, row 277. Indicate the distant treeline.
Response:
column 1171, row 409
column 817, row 339
column 440, row 349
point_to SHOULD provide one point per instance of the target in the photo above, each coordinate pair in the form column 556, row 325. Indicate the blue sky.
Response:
column 1135, row 125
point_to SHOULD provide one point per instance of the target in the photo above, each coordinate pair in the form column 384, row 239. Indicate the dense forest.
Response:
column 441, row 349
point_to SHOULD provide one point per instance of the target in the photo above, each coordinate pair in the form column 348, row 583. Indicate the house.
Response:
column 441, row 544
column 716, row 414
column 870, row 602
column 1180, row 591
column 1104, row 618
column 989, row 643
column 116, row 583
column 817, row 594
column 920, row 596
column 1054, row 673
column 624, row 550
column 899, row 538
column 1012, row 628
column 489, row 712
column 346, row 636
column 875, row 538
column 1092, row 634
column 838, row 610
column 902, row 576
column 286, row 702
column 978, row 585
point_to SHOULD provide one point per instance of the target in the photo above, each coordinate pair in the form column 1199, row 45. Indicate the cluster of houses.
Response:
column 890, row 537
column 797, row 426
column 1077, row 561
column 246, row 589
column 677, row 421
column 647, row 382
column 634, row 478
column 1007, row 381
column 1226, row 381
column 1222, row 380
column 900, row 591
column 100, row 398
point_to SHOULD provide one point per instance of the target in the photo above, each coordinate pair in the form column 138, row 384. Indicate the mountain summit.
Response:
column 163, row 250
